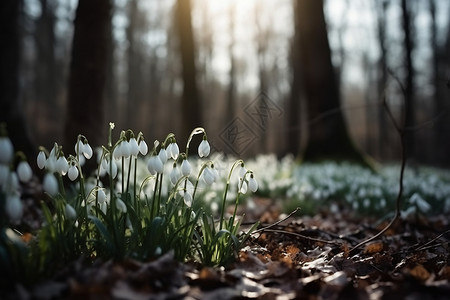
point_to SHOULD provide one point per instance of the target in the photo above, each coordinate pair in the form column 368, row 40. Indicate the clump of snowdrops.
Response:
column 116, row 214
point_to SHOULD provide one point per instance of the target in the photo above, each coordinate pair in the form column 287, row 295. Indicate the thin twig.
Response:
column 277, row 222
column 302, row 236
column 425, row 246
column 401, row 132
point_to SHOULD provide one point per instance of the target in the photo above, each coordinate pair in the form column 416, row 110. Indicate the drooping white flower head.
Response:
column 50, row 184
column 14, row 207
column 62, row 166
column 6, row 150
column 187, row 197
column 163, row 156
column 208, row 176
column 73, row 172
column 70, row 212
column 134, row 147
column 83, row 149
column 204, row 148
column 155, row 165
column 173, row 150
column 174, row 174
column 186, row 168
column 24, row 171
column 242, row 186
column 101, row 196
column 121, row 205
column 143, row 148
column 252, row 183
column 41, row 158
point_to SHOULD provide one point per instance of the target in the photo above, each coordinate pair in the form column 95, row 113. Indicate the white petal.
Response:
column 70, row 212
column 174, row 175
column 14, row 207
column 101, row 196
column 87, row 151
column 143, row 148
column 24, row 171
column 121, row 205
column 163, row 155
column 204, row 149
column 242, row 188
column 6, row 150
column 187, row 197
column 252, row 184
column 50, row 184
column 134, row 148
column 41, row 159
column 62, row 166
column 208, row 176
column 72, row 173
column 186, row 168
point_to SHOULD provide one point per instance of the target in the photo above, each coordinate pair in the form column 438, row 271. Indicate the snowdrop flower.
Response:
column 204, row 148
column 14, row 181
column 208, row 176
column 134, row 147
column 163, row 155
column 187, row 197
column 50, row 184
column 242, row 186
column 155, row 165
column 186, row 167
column 421, row 204
column 174, row 174
column 24, row 171
column 72, row 173
column 14, row 207
column 121, row 205
column 83, row 148
column 242, row 170
column 70, row 212
column 173, row 150
column 143, row 148
column 61, row 165
column 41, row 160
column 101, row 196
column 6, row 150
column 252, row 183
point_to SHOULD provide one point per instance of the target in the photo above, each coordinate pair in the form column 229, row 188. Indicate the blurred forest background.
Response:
column 259, row 75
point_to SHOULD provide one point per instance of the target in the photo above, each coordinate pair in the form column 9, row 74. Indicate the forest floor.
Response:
column 303, row 257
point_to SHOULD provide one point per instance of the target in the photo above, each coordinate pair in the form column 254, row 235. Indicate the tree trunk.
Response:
column 86, row 95
column 11, row 110
column 328, row 137
column 191, row 104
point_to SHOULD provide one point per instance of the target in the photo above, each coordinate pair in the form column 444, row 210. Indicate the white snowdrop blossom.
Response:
column 70, row 212
column 155, row 165
column 242, row 186
column 13, row 181
column 204, row 148
column 14, row 207
column 186, row 168
column 73, row 172
column 87, row 151
column 143, row 148
column 6, row 150
column 41, row 159
column 208, row 176
column 242, row 171
column 252, row 183
column 121, row 205
column 62, row 166
column 125, row 149
column 83, row 149
column 101, row 196
column 173, row 150
column 24, row 171
column 163, row 155
column 187, row 197
column 134, row 147
column 174, row 174
column 50, row 184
